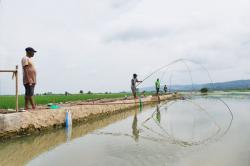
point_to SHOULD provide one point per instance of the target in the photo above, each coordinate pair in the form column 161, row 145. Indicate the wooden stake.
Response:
column 16, row 73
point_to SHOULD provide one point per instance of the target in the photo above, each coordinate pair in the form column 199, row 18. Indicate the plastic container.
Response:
column 68, row 119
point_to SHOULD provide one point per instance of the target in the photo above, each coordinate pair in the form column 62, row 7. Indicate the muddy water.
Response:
column 192, row 132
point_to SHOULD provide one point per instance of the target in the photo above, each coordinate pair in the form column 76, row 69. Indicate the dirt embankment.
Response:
column 25, row 123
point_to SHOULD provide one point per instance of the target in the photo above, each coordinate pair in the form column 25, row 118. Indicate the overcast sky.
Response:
column 98, row 44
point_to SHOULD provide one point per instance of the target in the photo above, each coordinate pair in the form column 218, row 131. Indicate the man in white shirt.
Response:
column 133, row 85
column 29, row 77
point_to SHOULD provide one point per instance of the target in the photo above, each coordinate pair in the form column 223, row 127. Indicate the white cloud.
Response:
column 98, row 45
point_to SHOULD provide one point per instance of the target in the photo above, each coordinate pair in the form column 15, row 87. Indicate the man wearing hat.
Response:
column 29, row 77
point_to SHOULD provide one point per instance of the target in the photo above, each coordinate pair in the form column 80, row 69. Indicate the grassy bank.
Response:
column 8, row 102
column 238, row 90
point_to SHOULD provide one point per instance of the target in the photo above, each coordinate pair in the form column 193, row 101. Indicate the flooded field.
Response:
column 201, row 131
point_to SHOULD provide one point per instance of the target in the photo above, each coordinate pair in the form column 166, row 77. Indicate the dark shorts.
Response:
column 133, row 90
column 157, row 90
column 29, row 90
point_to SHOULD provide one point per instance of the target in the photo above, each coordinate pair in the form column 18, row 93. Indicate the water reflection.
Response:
column 183, row 121
column 155, row 136
column 179, row 124
column 158, row 114
column 19, row 151
column 68, row 132
column 175, row 122
column 135, row 130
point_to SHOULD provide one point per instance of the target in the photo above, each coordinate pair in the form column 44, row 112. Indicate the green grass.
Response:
column 8, row 102
column 238, row 90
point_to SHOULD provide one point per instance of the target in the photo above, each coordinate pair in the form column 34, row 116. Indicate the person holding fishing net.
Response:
column 29, row 77
column 133, row 85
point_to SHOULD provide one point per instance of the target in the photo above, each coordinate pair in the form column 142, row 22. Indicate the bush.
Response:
column 204, row 90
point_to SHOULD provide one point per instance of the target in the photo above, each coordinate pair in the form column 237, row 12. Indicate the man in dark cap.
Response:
column 133, row 85
column 29, row 77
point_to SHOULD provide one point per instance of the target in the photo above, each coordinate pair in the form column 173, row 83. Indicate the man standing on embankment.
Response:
column 165, row 88
column 133, row 85
column 29, row 77
column 157, row 86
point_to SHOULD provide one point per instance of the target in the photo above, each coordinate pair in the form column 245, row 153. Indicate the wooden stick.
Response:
column 16, row 73
column 7, row 71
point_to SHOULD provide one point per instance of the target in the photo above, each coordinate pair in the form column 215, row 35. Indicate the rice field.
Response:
column 8, row 102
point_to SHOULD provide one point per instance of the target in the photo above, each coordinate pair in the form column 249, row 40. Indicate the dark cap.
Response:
column 30, row 49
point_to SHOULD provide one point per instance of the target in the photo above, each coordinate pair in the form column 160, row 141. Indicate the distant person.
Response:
column 29, row 77
column 165, row 88
column 133, row 85
column 143, row 93
column 157, row 86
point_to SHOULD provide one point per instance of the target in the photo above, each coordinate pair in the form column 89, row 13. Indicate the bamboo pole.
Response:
column 7, row 71
column 16, row 73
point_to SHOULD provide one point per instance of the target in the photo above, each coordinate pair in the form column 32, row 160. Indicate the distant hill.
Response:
column 230, row 85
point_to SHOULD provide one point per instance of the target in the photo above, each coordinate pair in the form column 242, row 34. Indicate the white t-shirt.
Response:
column 133, row 82
column 29, row 77
column 27, row 61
